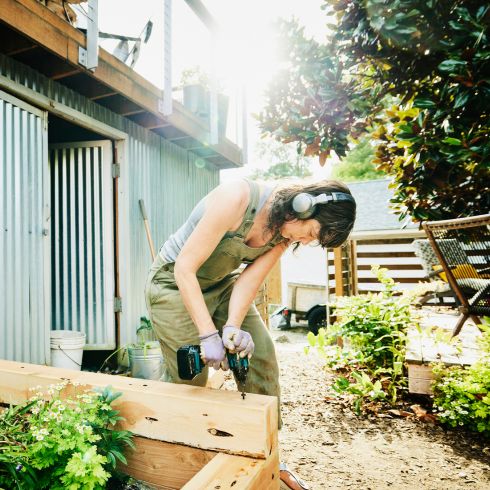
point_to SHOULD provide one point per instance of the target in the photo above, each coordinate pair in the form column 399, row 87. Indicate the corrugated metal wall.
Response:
column 169, row 179
column 23, row 316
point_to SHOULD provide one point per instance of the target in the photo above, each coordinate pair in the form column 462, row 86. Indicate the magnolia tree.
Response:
column 415, row 74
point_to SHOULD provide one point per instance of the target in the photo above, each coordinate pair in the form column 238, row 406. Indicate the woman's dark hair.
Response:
column 336, row 218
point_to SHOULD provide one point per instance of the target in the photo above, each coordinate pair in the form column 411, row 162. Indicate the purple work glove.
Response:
column 236, row 340
column 212, row 351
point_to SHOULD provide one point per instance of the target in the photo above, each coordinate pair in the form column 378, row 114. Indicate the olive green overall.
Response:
column 174, row 326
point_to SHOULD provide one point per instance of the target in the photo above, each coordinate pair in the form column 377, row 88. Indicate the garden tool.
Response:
column 190, row 364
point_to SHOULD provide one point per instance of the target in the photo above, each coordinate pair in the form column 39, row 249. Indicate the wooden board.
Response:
column 226, row 472
column 420, row 378
column 199, row 417
column 164, row 465
column 424, row 348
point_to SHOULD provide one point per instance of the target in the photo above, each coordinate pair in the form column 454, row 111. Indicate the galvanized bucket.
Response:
column 146, row 362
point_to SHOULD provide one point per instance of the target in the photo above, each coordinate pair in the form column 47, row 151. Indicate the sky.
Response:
column 245, row 54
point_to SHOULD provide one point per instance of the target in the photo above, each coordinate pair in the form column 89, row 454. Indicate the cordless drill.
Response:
column 190, row 364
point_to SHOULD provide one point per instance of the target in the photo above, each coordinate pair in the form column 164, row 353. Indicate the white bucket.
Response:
column 67, row 349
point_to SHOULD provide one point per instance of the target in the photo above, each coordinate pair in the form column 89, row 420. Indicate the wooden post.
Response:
column 337, row 262
column 353, row 266
column 273, row 285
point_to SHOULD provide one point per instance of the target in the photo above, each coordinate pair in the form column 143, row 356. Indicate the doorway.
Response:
column 82, row 220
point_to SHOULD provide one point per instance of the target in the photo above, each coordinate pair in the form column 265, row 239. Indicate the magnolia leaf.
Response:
column 452, row 141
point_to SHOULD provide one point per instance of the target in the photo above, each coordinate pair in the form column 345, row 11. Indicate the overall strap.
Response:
column 249, row 217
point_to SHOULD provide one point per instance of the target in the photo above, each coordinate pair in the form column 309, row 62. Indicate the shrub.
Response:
column 461, row 395
column 373, row 328
column 61, row 439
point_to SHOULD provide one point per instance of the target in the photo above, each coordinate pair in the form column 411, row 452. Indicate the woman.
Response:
column 194, row 293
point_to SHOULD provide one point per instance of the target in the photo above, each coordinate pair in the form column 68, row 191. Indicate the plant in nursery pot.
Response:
column 196, row 87
column 145, row 355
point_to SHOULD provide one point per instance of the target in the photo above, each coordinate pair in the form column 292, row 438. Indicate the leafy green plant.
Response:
column 429, row 61
column 462, row 396
column 362, row 387
column 373, row 329
column 64, row 438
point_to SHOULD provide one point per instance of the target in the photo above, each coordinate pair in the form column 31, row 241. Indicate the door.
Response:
column 24, row 233
column 82, row 251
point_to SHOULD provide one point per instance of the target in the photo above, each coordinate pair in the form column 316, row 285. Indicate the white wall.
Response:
column 306, row 265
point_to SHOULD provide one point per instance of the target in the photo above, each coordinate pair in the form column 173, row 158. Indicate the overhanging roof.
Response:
column 37, row 37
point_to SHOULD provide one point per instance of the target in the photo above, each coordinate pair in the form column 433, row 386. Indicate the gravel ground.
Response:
column 330, row 447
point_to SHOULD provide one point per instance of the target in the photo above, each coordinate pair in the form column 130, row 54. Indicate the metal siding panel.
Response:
column 82, row 254
column 23, row 332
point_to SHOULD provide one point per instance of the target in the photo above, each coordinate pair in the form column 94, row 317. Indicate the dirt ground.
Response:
column 331, row 448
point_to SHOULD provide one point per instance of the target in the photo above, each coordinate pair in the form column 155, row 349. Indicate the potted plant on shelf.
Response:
column 196, row 88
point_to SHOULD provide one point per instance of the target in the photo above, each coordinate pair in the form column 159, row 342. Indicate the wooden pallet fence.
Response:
column 186, row 437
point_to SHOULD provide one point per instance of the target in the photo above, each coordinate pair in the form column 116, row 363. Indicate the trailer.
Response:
column 308, row 303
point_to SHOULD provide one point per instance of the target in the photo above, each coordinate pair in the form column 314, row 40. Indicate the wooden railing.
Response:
column 349, row 267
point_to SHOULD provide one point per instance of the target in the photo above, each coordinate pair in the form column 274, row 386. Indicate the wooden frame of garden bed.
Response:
column 186, row 437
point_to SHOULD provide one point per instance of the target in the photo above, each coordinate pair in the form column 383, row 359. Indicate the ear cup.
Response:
column 304, row 205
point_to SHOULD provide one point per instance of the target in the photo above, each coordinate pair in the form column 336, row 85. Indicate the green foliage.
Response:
column 373, row 328
column 431, row 60
column 358, row 164
column 462, row 396
column 61, row 439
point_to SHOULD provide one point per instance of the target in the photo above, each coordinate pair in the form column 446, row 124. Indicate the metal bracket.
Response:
column 116, row 170
column 89, row 58
column 117, row 304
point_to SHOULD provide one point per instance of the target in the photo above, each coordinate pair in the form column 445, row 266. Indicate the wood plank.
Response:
column 164, row 465
column 400, row 267
column 216, row 420
column 420, row 378
column 226, row 471
column 273, row 285
column 337, row 260
column 353, row 267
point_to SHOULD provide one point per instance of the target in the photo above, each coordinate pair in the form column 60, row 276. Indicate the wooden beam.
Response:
column 353, row 266
column 103, row 95
column 216, row 420
column 64, row 74
column 164, row 465
column 149, row 120
column 239, row 473
column 20, row 50
column 339, row 278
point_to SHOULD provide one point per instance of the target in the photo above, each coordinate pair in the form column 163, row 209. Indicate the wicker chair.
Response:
column 463, row 249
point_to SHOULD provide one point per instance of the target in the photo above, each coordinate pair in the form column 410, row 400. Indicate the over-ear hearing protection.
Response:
column 305, row 205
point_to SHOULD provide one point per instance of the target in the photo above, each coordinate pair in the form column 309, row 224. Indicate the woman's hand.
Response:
column 213, row 351
column 236, row 340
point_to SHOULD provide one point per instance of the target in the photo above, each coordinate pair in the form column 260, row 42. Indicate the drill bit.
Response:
column 239, row 366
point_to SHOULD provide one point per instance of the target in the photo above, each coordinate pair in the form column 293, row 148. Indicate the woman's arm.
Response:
column 247, row 285
column 225, row 207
